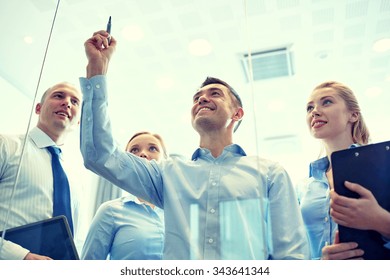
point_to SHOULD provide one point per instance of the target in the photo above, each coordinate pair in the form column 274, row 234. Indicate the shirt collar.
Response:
column 233, row 150
column 40, row 138
column 318, row 167
column 133, row 199
column 130, row 198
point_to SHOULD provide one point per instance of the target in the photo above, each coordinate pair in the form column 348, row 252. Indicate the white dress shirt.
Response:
column 33, row 195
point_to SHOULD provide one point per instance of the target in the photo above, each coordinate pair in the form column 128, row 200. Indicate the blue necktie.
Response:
column 61, row 193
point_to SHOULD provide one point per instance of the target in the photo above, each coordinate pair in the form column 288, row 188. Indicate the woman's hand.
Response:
column 361, row 213
column 341, row 251
column 31, row 256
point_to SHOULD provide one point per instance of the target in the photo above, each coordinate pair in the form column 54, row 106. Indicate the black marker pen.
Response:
column 109, row 30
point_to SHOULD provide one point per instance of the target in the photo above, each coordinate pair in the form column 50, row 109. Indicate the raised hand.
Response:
column 99, row 53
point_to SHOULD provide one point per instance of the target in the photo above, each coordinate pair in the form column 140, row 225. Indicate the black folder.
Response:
column 51, row 237
column 368, row 166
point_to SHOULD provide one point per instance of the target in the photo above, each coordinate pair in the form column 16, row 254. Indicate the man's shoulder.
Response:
column 11, row 142
column 10, row 149
column 11, row 137
column 266, row 166
column 262, row 161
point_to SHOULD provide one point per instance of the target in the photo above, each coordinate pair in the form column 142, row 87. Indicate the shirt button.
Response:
column 213, row 184
column 212, row 210
column 97, row 86
column 88, row 87
column 211, row 240
column 326, row 219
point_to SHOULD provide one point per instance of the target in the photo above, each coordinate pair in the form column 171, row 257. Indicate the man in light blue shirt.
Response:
column 221, row 204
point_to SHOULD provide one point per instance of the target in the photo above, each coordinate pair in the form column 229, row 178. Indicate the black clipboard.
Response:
column 51, row 237
column 368, row 166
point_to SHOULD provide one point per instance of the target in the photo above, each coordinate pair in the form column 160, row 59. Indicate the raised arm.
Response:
column 100, row 152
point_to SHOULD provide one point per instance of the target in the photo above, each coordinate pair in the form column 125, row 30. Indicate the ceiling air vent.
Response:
column 269, row 64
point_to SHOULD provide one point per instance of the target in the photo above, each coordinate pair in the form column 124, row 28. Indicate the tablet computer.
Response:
column 51, row 237
column 368, row 166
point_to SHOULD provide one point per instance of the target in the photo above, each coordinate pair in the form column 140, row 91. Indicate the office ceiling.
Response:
column 153, row 75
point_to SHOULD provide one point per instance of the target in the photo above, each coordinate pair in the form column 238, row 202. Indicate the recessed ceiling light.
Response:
column 381, row 45
column 132, row 33
column 199, row 47
column 28, row 39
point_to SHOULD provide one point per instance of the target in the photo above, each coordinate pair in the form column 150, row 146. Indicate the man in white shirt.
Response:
column 59, row 113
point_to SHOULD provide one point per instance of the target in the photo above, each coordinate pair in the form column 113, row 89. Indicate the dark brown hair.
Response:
column 212, row 80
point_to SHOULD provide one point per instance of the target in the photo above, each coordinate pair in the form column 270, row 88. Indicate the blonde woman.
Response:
column 334, row 117
column 129, row 228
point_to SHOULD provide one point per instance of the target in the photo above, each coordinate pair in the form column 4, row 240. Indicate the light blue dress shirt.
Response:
column 231, row 207
column 124, row 229
column 314, row 199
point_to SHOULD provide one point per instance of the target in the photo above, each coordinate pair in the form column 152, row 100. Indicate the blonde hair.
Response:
column 360, row 133
column 158, row 137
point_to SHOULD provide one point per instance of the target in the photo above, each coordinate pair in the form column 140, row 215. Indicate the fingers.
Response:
column 363, row 192
column 359, row 212
column 341, row 208
column 339, row 200
column 32, row 256
column 101, row 32
column 101, row 40
column 356, row 254
column 342, row 251
column 337, row 237
column 99, row 51
column 339, row 218
column 344, row 201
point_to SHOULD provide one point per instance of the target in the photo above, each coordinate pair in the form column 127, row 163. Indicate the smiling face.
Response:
column 213, row 108
column 59, row 110
column 328, row 117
